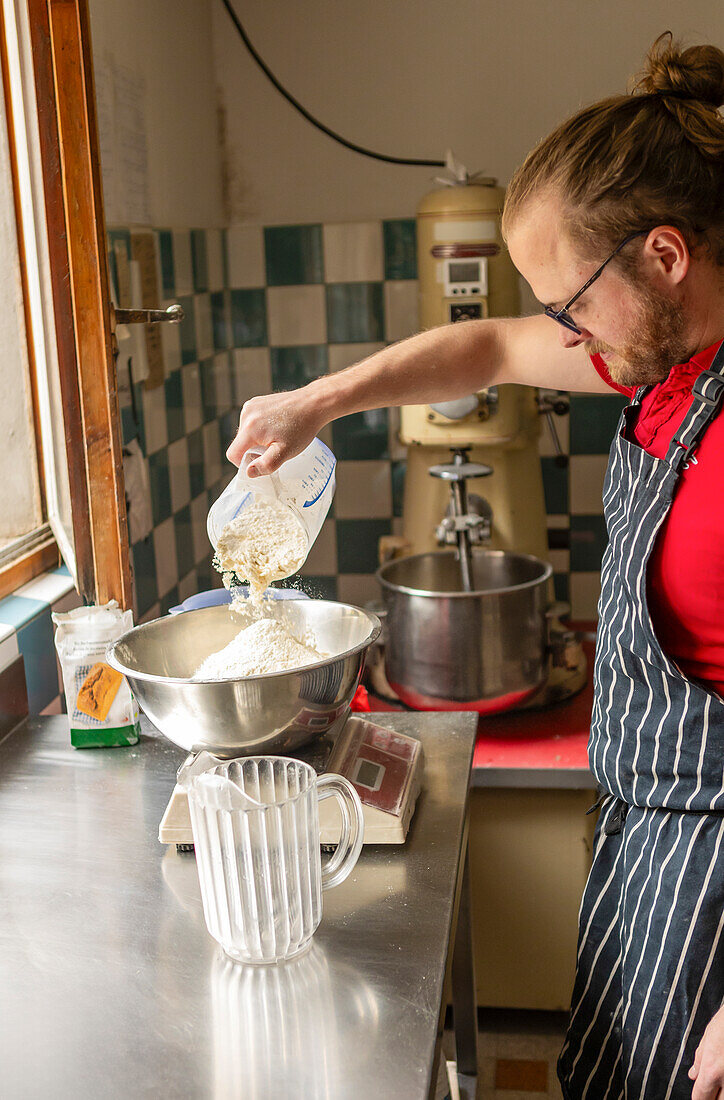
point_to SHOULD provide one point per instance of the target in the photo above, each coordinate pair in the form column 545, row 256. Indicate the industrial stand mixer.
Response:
column 476, row 627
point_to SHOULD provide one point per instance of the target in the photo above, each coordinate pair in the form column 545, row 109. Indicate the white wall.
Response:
column 20, row 511
column 167, row 46
column 411, row 78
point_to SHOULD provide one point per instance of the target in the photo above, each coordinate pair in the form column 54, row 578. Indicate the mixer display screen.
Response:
column 464, row 272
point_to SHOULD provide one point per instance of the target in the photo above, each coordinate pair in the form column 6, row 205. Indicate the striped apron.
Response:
column 650, row 967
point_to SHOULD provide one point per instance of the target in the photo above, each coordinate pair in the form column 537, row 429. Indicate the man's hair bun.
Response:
column 695, row 73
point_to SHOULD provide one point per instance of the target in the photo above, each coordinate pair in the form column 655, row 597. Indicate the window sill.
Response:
column 26, row 631
column 41, row 556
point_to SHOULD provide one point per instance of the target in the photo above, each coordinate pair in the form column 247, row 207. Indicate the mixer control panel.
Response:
column 466, row 277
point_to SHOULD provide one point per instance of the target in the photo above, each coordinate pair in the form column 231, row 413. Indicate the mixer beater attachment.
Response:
column 463, row 526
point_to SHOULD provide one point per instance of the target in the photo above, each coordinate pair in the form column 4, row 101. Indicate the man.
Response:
column 616, row 220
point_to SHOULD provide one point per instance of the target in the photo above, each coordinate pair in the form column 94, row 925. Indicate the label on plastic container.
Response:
column 317, row 480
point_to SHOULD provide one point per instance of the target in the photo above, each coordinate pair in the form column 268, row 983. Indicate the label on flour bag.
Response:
column 305, row 484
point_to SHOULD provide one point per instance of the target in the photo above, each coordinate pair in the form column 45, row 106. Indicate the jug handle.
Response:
column 246, row 460
column 350, row 842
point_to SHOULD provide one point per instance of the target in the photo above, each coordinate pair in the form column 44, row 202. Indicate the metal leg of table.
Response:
column 465, row 1012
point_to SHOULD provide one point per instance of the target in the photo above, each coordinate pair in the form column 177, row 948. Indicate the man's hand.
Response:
column 281, row 425
column 707, row 1073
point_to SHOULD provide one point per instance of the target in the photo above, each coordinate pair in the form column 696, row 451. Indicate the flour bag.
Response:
column 102, row 709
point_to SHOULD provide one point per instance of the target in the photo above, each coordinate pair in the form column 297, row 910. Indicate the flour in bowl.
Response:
column 264, row 543
column 264, row 646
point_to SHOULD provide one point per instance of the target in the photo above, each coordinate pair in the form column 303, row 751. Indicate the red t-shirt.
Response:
column 685, row 581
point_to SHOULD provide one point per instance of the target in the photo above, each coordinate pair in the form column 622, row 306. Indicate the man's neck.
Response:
column 705, row 306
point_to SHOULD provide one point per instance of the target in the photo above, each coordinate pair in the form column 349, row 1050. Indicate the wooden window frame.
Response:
column 69, row 152
column 26, row 566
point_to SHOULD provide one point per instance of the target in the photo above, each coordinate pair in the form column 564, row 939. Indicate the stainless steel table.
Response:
column 110, row 985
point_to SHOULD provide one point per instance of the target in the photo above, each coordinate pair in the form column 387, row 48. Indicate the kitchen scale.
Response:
column 383, row 766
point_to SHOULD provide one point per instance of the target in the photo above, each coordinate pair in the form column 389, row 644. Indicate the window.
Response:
column 52, row 153
column 32, row 462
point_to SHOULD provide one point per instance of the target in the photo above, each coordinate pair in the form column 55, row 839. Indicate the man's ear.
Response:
column 666, row 254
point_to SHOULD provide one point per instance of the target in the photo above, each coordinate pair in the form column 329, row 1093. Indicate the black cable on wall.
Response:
column 310, row 117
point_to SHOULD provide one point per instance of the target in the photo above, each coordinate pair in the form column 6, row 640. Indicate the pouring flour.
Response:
column 262, row 530
column 264, row 543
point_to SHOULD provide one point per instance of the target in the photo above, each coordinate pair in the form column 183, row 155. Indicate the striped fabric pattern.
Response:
column 652, row 729
column 651, row 956
column 650, row 971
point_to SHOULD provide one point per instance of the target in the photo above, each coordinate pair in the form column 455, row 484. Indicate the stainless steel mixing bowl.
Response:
column 274, row 712
column 448, row 649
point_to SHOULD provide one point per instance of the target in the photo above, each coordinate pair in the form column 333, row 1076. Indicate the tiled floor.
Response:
column 517, row 1054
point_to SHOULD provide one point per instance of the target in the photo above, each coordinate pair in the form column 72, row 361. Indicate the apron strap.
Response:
column 708, row 391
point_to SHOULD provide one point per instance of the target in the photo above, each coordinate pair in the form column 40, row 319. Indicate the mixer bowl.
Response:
column 448, row 649
column 273, row 712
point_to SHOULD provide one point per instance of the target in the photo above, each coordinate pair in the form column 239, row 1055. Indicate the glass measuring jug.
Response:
column 255, row 823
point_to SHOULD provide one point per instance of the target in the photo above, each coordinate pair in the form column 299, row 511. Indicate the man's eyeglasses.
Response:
column 562, row 316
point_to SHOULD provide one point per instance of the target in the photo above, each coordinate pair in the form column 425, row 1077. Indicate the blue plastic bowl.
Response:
column 215, row 596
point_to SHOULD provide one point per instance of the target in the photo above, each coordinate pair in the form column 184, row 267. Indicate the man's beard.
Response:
column 658, row 331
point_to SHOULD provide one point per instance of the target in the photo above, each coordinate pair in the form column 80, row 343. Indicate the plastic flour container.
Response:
column 305, row 484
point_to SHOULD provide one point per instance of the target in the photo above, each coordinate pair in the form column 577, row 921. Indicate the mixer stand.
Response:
column 384, row 767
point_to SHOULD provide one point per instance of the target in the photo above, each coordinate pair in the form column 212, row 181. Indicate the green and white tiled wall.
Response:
column 269, row 309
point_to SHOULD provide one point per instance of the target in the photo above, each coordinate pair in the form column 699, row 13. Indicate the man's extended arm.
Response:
column 438, row 365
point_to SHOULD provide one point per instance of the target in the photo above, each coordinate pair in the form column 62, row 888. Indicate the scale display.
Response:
column 368, row 775
column 380, row 764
